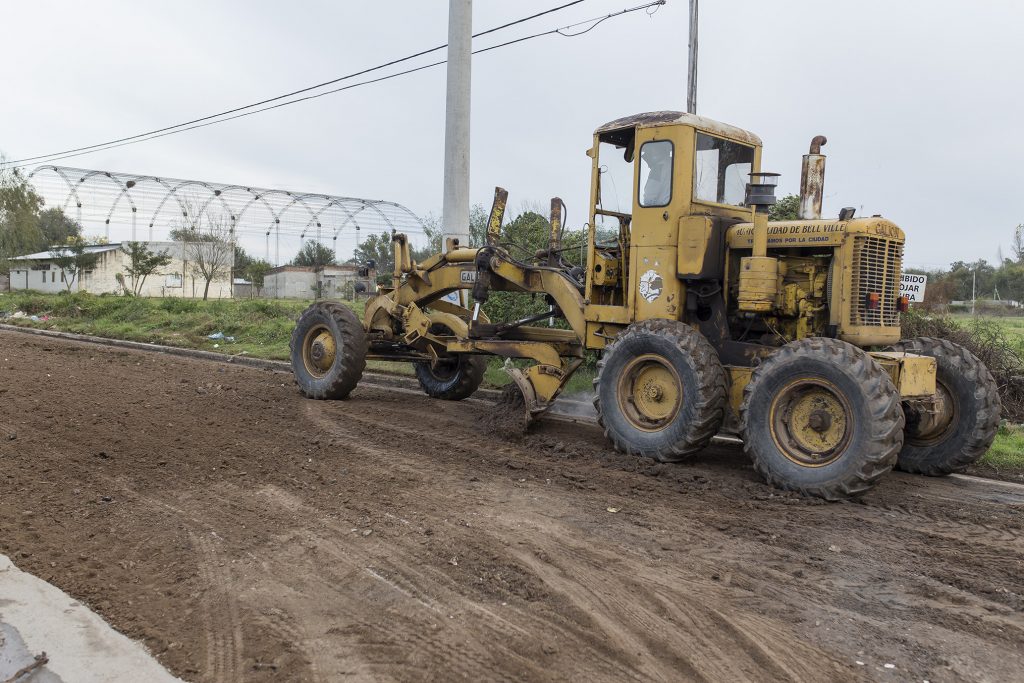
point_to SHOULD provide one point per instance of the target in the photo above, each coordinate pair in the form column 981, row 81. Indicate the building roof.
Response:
column 48, row 255
column 89, row 249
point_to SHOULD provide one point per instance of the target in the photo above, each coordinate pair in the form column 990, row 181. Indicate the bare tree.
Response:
column 207, row 244
column 1018, row 243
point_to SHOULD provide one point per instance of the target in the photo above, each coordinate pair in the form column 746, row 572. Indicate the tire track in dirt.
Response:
column 736, row 652
column 222, row 623
column 923, row 537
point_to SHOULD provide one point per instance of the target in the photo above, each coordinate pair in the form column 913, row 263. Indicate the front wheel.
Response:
column 328, row 351
column 963, row 430
column 821, row 417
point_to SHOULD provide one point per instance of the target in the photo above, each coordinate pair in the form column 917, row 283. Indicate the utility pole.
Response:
column 455, row 211
column 691, row 71
column 974, row 290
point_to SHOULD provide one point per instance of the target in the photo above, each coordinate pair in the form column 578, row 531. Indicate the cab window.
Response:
column 721, row 170
column 616, row 179
column 656, row 173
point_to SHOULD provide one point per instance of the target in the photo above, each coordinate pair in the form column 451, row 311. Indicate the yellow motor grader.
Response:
column 701, row 310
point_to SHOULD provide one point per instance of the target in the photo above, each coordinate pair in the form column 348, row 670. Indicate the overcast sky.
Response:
column 922, row 102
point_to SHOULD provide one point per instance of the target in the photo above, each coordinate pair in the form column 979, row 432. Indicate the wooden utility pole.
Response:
column 691, row 71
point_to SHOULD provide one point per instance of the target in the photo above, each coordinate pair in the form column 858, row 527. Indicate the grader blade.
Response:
column 526, row 398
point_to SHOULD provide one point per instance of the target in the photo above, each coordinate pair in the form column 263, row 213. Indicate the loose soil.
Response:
column 244, row 533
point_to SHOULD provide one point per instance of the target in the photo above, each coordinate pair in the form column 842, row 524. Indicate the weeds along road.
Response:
column 246, row 534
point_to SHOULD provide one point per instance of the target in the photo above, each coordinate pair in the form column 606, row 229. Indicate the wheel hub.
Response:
column 820, row 421
column 930, row 424
column 319, row 351
column 650, row 392
column 811, row 422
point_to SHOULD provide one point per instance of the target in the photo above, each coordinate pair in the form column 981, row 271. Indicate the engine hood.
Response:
column 815, row 233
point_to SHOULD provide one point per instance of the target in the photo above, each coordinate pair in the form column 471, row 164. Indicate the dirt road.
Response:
column 246, row 534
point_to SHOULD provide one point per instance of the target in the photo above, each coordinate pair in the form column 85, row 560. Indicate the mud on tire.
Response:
column 648, row 358
column 821, row 417
column 973, row 419
column 328, row 351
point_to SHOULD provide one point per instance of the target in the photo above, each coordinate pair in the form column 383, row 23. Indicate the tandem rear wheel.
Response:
column 821, row 417
column 968, row 416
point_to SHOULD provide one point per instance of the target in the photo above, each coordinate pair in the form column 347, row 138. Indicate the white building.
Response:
column 300, row 282
column 39, row 272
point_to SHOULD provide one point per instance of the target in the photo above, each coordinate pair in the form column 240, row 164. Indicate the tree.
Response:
column 73, row 260
column 209, row 251
column 257, row 271
column 315, row 254
column 57, row 227
column 142, row 262
column 241, row 261
column 785, row 209
column 19, row 216
column 434, row 232
column 376, row 248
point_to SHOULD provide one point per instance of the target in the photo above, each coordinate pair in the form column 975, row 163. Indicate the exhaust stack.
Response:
column 812, row 180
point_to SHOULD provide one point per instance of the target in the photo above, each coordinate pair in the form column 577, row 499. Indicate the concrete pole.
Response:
column 691, row 70
column 455, row 212
column 974, row 290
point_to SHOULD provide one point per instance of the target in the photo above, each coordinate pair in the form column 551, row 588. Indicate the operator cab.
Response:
column 683, row 159
column 653, row 171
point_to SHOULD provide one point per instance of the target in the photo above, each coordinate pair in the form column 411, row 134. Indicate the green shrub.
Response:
column 986, row 339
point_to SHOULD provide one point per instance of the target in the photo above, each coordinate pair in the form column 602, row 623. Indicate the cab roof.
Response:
column 665, row 118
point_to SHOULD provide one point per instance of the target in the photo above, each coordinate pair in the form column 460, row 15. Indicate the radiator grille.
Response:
column 877, row 264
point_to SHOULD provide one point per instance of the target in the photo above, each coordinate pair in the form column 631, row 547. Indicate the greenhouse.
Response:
column 272, row 223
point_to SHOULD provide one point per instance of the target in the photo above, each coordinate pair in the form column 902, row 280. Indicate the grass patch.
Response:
column 1012, row 326
column 1008, row 450
column 261, row 327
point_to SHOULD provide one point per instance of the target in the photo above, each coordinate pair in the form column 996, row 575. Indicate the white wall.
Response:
column 48, row 280
column 172, row 280
column 289, row 284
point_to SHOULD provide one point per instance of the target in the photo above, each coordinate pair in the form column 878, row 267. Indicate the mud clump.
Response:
column 507, row 417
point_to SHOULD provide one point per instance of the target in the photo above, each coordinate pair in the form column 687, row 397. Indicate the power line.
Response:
column 300, row 91
column 204, row 122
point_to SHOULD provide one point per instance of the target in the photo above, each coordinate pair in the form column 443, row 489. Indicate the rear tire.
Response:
column 661, row 390
column 970, row 421
column 821, row 417
column 453, row 378
column 328, row 351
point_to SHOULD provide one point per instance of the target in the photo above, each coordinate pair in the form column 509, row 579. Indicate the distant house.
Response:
column 39, row 272
column 241, row 288
column 301, row 282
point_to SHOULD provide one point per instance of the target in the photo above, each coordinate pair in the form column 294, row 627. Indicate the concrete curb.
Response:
column 81, row 647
